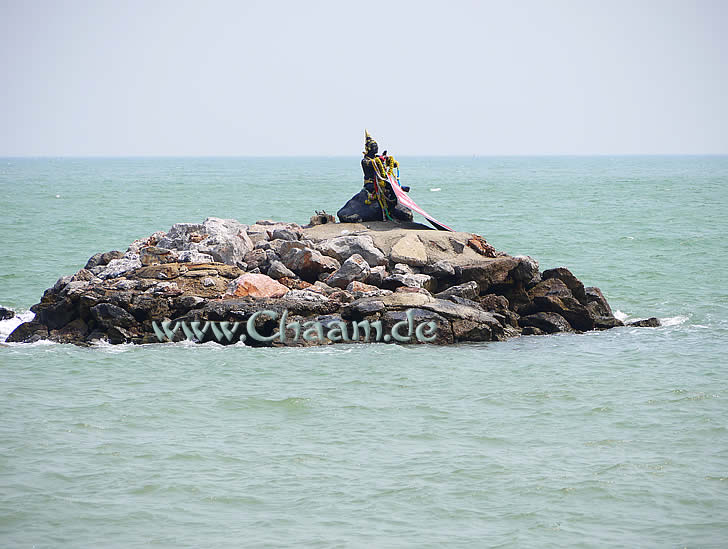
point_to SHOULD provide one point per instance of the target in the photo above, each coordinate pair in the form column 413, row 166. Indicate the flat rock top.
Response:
column 451, row 246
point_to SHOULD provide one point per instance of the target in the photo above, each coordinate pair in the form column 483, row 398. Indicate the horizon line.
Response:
column 511, row 155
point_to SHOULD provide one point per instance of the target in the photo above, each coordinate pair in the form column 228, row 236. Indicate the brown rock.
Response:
column 255, row 285
column 573, row 283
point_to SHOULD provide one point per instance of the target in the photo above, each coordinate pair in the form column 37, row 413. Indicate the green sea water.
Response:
column 604, row 439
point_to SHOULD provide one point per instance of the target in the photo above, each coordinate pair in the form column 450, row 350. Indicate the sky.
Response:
column 248, row 78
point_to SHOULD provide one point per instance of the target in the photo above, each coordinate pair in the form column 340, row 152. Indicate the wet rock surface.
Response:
column 205, row 281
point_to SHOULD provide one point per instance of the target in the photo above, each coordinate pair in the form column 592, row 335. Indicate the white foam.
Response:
column 7, row 326
column 673, row 320
column 619, row 315
column 435, row 190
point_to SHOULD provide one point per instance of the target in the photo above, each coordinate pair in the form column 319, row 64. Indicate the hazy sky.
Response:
column 290, row 78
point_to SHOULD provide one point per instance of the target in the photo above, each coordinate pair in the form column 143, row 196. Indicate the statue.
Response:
column 377, row 200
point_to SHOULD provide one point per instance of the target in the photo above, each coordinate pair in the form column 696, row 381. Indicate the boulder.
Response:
column 360, row 287
column 308, row 263
column 226, row 240
column 152, row 255
column 278, row 270
column 397, row 280
column 597, row 303
column 467, row 290
column 357, row 211
column 573, row 283
column 376, row 275
column 193, row 256
column 651, row 322
column 100, row 259
column 546, row 322
column 343, row 247
column 568, row 307
column 255, row 285
column 28, row 332
column 353, row 269
column 526, row 271
column 488, row 272
column 409, row 250
column 6, row 314
column 551, row 287
column 108, row 315
column 439, row 269
column 119, row 267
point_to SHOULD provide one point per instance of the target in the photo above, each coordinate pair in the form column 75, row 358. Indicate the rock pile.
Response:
column 224, row 271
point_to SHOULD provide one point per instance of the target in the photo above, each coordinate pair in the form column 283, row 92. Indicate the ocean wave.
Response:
column 674, row 320
column 7, row 326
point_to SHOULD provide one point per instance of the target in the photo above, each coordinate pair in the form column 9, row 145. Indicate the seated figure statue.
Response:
column 376, row 201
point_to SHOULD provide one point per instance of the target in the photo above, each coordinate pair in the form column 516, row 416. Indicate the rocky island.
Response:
column 175, row 285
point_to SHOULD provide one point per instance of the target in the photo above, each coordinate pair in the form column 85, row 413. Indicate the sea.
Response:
column 602, row 439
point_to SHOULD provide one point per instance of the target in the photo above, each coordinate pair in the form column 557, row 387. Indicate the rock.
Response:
column 353, row 269
column 401, row 268
column 360, row 287
column 309, row 264
column 597, row 303
column 531, row 330
column 321, row 218
column 279, row 270
column 343, row 247
column 526, row 271
column 376, row 275
column 208, row 282
column 546, row 322
column 439, row 269
column 108, row 315
column 551, row 287
column 651, row 322
column 568, row 307
column 479, row 244
column 606, row 322
column 394, row 281
column 28, row 332
column 467, row 290
column 118, row 267
column 256, row 259
column 6, row 314
column 493, row 302
column 408, row 322
column 56, row 314
column 153, row 255
column 100, row 259
column 285, row 233
column 295, row 283
column 193, row 256
column 72, row 332
column 226, row 240
column 255, row 285
column 357, row 211
column 409, row 250
column 488, row 272
column 573, row 283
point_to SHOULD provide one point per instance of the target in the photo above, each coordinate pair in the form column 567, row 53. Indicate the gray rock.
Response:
column 468, row 290
column 194, row 256
column 285, row 233
column 652, row 322
column 573, row 283
column 226, row 240
column 355, row 268
column 108, row 315
column 279, row 270
column 118, row 267
column 439, row 269
column 343, row 247
column 546, row 322
column 309, row 264
column 6, row 314
column 526, row 271
column 99, row 259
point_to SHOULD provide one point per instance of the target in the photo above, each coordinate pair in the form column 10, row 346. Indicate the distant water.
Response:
column 608, row 439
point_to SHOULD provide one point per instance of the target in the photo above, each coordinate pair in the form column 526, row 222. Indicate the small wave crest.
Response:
column 7, row 326
column 674, row 320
